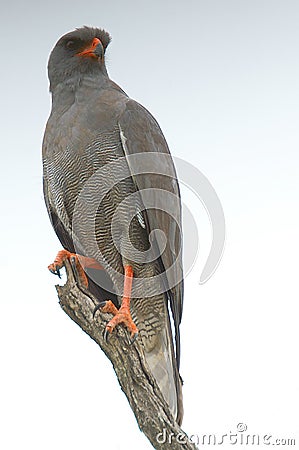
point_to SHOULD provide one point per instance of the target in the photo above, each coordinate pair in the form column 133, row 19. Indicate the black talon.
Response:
column 99, row 305
column 106, row 335
column 134, row 338
column 74, row 267
column 58, row 272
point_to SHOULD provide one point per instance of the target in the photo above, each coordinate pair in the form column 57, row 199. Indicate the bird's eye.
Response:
column 70, row 44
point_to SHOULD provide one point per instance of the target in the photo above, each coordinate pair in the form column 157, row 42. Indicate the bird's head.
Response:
column 76, row 53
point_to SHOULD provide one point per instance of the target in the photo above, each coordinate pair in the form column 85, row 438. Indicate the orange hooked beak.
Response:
column 90, row 50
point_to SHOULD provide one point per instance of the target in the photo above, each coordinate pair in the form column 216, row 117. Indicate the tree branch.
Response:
column 151, row 411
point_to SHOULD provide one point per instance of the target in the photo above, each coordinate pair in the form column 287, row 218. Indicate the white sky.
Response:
column 222, row 80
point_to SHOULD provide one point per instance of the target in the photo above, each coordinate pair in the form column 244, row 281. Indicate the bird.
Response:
column 93, row 133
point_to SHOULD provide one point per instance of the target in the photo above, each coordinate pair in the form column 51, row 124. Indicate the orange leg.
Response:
column 122, row 315
column 81, row 262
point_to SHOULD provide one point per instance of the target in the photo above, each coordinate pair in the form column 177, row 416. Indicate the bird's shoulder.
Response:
column 142, row 129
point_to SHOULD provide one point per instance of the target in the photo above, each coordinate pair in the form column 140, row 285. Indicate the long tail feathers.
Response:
column 163, row 366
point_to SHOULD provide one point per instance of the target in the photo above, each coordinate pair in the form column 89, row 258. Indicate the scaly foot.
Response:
column 58, row 263
column 123, row 314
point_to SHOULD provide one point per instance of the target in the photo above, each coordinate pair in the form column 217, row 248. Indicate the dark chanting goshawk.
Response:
column 92, row 129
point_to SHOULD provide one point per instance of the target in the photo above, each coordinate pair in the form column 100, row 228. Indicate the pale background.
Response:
column 221, row 77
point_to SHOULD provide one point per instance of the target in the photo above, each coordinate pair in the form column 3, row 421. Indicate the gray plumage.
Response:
column 92, row 123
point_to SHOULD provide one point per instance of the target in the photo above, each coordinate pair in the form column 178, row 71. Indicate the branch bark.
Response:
column 151, row 411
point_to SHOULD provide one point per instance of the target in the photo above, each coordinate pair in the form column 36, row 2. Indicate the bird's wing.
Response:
column 63, row 235
column 140, row 133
